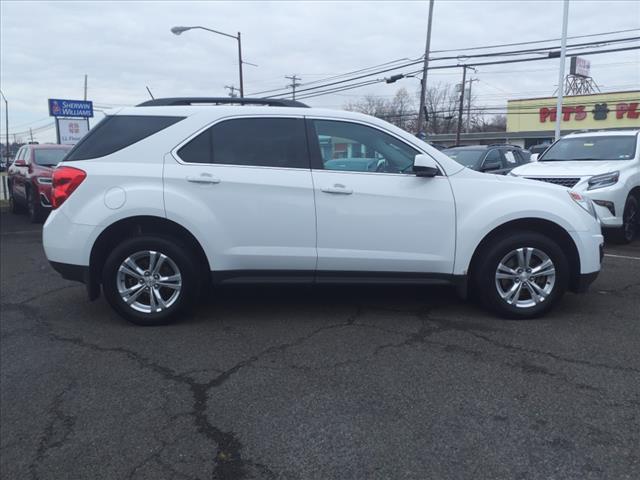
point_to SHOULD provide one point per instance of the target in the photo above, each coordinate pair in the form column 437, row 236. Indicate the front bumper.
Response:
column 583, row 281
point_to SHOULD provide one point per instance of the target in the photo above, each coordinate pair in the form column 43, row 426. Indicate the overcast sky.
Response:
column 47, row 47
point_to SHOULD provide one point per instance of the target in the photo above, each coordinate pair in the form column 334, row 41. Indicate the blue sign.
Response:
column 70, row 108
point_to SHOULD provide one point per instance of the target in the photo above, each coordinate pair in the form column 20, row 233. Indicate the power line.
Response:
column 537, row 41
column 470, row 56
column 336, row 89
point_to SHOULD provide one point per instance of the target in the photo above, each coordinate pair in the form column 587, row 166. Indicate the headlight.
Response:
column 584, row 202
column 605, row 180
column 44, row 180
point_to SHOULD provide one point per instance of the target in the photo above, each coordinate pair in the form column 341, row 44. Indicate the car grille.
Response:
column 564, row 181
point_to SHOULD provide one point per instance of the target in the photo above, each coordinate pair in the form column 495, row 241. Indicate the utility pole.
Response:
column 6, row 128
column 464, row 80
column 240, row 65
column 563, row 55
column 423, row 87
column 471, row 80
column 232, row 91
column 85, row 87
column 31, row 134
column 294, row 83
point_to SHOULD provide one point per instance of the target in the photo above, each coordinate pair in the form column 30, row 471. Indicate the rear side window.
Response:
column 261, row 142
column 116, row 132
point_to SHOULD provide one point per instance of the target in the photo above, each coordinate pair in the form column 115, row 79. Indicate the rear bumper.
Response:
column 78, row 273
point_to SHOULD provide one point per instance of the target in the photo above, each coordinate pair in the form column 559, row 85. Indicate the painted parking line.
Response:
column 621, row 256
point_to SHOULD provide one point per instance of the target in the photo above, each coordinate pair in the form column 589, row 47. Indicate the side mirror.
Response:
column 425, row 166
column 534, row 157
column 490, row 167
column 20, row 163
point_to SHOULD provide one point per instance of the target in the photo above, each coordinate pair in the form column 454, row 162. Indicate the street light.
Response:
column 6, row 127
column 180, row 30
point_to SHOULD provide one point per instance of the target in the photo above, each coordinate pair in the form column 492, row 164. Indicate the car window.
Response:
column 353, row 147
column 261, row 142
column 49, row 156
column 510, row 157
column 492, row 157
column 116, row 132
column 464, row 156
column 611, row 147
column 22, row 153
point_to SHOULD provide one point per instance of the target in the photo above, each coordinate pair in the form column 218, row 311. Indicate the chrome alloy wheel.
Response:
column 149, row 281
column 525, row 277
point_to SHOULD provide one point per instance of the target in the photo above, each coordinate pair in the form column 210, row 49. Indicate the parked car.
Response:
column 29, row 178
column 604, row 166
column 159, row 200
column 538, row 149
column 499, row 159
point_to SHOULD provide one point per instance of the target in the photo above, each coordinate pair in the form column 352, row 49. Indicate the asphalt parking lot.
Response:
column 316, row 383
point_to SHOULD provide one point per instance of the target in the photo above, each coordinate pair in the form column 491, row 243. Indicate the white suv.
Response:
column 604, row 166
column 162, row 199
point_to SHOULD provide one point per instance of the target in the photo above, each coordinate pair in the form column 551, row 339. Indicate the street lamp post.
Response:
column 179, row 30
column 6, row 127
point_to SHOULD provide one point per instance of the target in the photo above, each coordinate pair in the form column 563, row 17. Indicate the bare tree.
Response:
column 497, row 123
column 442, row 104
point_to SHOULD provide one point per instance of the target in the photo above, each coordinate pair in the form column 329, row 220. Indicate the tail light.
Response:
column 65, row 181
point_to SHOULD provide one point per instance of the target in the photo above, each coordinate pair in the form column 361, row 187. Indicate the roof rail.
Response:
column 271, row 102
column 503, row 145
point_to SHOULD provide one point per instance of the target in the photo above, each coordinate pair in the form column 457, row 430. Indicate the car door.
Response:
column 373, row 213
column 245, row 185
column 19, row 170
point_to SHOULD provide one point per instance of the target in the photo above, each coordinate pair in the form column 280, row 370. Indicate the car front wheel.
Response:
column 150, row 280
column 522, row 275
column 630, row 222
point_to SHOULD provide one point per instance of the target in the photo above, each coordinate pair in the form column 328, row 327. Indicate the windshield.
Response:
column 614, row 147
column 51, row 156
column 466, row 157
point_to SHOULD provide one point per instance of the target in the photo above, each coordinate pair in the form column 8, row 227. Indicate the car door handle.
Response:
column 204, row 178
column 339, row 189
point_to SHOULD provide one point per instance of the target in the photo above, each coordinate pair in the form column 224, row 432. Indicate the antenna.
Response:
column 150, row 94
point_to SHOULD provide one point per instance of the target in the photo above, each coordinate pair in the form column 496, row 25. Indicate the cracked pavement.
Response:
column 315, row 383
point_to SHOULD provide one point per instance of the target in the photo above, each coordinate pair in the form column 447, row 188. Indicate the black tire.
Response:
column 181, row 258
column 34, row 210
column 630, row 222
column 13, row 205
column 487, row 285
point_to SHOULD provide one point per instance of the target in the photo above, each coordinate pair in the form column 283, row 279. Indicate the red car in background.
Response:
column 29, row 178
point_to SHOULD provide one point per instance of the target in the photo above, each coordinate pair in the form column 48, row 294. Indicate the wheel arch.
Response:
column 136, row 226
column 538, row 225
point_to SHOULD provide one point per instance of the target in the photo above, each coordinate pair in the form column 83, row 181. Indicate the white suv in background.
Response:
column 160, row 200
column 604, row 166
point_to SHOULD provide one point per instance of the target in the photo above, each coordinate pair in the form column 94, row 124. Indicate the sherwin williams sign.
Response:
column 70, row 108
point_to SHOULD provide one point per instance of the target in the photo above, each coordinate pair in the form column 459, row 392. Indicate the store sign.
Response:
column 599, row 111
column 70, row 108
column 580, row 67
column 72, row 131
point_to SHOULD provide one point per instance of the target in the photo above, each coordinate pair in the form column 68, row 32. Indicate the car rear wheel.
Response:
column 630, row 222
column 150, row 280
column 13, row 205
column 522, row 275
column 33, row 209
